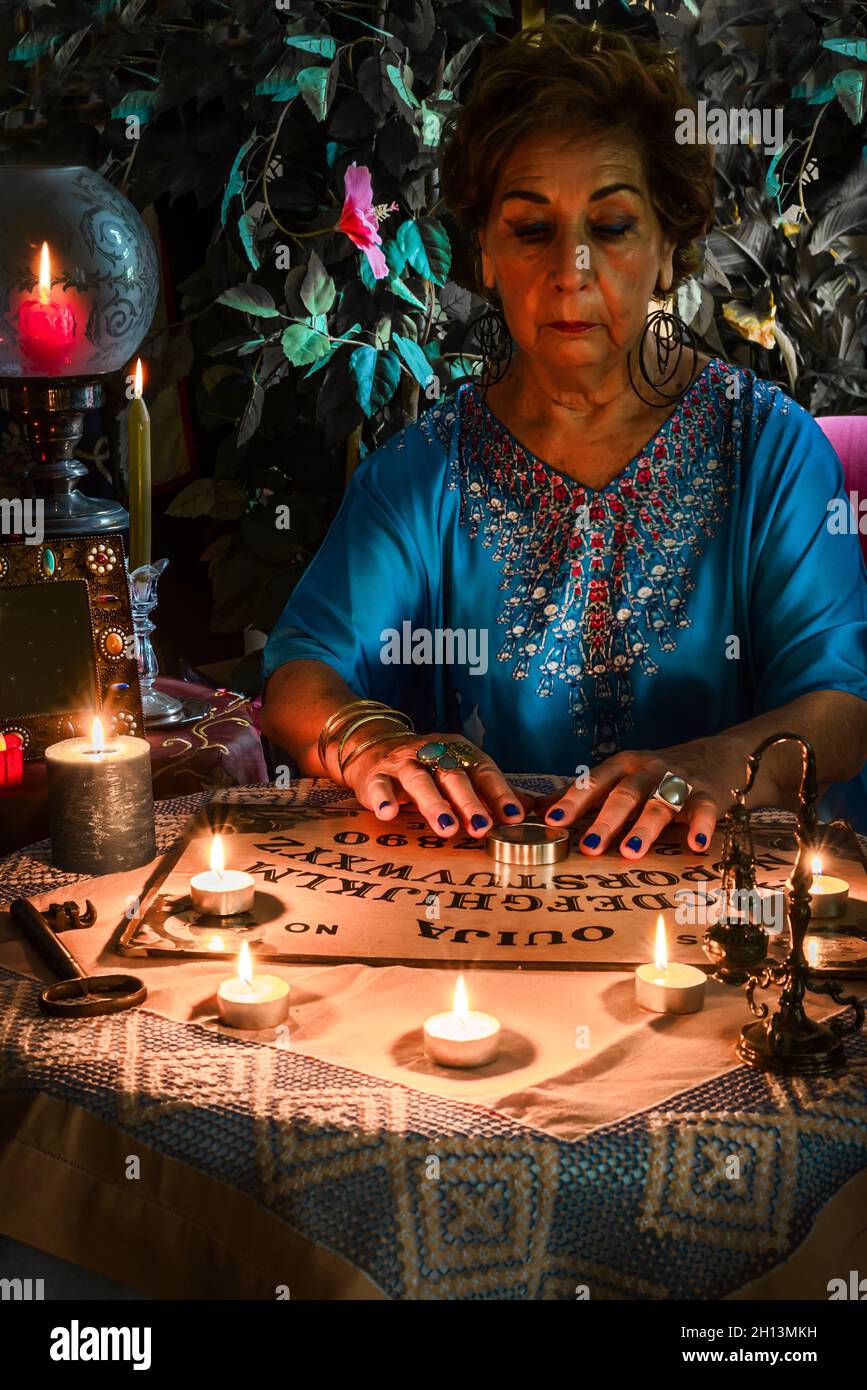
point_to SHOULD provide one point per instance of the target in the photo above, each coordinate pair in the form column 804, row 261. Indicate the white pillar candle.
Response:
column 252, row 1001
column 461, row 1038
column 100, row 803
column 669, row 989
column 221, row 892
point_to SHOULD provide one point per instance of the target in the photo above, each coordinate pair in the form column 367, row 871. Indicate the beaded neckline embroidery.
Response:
column 587, row 603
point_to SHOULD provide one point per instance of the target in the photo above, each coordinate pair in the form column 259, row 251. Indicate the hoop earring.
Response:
column 670, row 335
column 493, row 337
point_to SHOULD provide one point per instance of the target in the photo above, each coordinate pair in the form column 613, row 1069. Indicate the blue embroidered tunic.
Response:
column 701, row 586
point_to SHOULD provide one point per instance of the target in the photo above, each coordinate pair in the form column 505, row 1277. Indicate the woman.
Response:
column 642, row 549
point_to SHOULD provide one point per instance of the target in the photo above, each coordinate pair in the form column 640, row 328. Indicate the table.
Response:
column 332, row 1161
column 221, row 748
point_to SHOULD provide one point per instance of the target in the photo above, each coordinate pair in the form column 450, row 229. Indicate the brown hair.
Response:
column 562, row 75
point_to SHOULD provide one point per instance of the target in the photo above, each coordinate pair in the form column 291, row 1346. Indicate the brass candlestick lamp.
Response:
column 737, row 945
column 787, row 1041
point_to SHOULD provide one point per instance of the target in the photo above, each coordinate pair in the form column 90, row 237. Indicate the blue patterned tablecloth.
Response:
column 638, row 1209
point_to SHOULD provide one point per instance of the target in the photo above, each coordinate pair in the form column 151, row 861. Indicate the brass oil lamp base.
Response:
column 787, row 1041
column 811, row 1049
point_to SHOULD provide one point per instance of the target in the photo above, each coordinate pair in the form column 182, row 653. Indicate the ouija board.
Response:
column 334, row 883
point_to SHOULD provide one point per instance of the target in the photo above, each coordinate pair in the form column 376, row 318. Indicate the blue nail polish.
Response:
column 445, row 821
column 510, row 809
column 479, row 822
column 384, row 803
column 701, row 839
column 634, row 842
column 556, row 814
column 591, row 841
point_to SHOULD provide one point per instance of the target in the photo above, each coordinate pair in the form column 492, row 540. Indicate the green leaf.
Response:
column 413, row 357
column 235, row 182
column 455, row 66
column 318, row 289
column 426, row 246
column 247, row 223
column 326, row 357
column 395, row 259
column 194, row 500
column 815, row 95
column 249, row 425
column 333, row 151
column 303, row 345
column 398, row 77
column 230, row 498
column 251, row 299
column 311, row 43
column 366, row 275
column 397, row 287
column 139, row 104
column 850, row 88
column 464, row 366
column 317, row 88
column 277, row 87
column 376, row 377
column 852, row 48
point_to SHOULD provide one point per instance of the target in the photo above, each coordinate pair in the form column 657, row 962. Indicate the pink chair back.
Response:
column 847, row 435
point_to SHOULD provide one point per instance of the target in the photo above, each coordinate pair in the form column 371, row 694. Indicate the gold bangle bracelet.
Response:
column 369, row 743
column 332, row 722
column 391, row 716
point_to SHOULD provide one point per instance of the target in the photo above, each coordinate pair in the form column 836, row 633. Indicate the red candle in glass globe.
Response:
column 11, row 760
column 46, row 325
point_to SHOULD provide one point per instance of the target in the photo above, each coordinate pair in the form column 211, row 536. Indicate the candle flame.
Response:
column 461, row 1006
column 660, row 957
column 245, row 965
column 218, row 862
column 97, row 737
column 817, row 866
column 44, row 274
column 137, row 385
column 215, row 943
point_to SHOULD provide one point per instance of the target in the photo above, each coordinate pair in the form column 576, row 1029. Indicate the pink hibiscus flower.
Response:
column 358, row 219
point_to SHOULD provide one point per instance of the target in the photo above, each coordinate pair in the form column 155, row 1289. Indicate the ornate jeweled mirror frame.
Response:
column 97, row 564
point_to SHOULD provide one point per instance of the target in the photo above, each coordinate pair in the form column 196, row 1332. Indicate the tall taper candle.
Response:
column 100, row 803
column 139, row 436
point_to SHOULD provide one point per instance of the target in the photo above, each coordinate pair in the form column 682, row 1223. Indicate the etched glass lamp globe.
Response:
column 79, row 283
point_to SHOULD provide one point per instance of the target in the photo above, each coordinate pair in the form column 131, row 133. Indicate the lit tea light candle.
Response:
column 252, row 1001
column 668, row 989
column 461, row 1038
column 46, row 325
column 219, row 891
column 100, row 803
column 828, row 895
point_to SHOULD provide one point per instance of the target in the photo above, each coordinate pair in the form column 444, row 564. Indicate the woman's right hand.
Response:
column 388, row 774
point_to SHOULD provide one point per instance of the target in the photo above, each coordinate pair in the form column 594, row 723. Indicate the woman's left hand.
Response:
column 622, row 788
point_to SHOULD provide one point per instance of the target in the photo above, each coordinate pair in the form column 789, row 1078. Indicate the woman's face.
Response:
column 572, row 238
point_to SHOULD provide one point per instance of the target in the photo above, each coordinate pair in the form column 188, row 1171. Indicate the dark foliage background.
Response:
column 299, row 361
